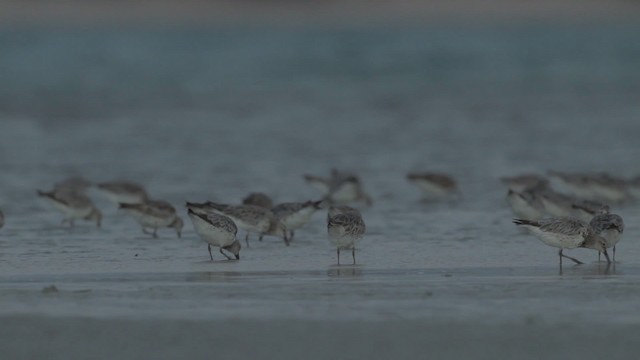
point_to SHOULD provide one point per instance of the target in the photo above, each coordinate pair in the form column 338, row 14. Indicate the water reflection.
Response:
column 348, row 271
column 596, row 269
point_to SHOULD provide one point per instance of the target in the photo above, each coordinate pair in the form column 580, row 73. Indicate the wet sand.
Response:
column 346, row 312
column 65, row 338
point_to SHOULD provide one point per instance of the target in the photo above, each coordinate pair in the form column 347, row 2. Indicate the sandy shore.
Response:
column 305, row 12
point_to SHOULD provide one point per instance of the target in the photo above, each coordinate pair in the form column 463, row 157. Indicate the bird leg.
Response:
column 152, row 233
column 210, row 255
column 285, row 237
column 246, row 240
column 353, row 253
column 291, row 235
column 70, row 221
column 614, row 253
column 569, row 257
column 607, row 256
column 225, row 255
column 338, row 250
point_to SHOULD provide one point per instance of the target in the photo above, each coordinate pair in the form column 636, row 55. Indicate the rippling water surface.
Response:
column 199, row 114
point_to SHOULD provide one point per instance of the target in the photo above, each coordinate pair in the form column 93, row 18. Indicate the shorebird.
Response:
column 74, row 183
column 73, row 205
column 633, row 185
column 556, row 204
column 217, row 230
column 609, row 188
column 593, row 186
column 250, row 218
column 565, row 233
column 294, row 215
column 526, row 204
column 520, row 183
column 576, row 184
column 434, row 186
column 345, row 227
column 258, row 199
column 610, row 227
column 123, row 192
column 155, row 214
column 585, row 210
column 340, row 188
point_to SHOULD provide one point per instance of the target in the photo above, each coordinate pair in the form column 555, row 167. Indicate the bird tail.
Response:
column 44, row 193
column 525, row 222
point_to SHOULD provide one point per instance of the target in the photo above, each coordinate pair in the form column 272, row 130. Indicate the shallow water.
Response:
column 216, row 113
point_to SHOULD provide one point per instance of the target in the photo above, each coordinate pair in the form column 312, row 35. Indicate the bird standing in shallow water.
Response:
column 123, row 192
column 345, row 228
column 217, row 230
column 434, row 186
column 252, row 219
column 610, row 227
column 565, row 233
column 294, row 215
column 74, row 205
column 258, row 199
column 155, row 214
column 340, row 188
column 524, row 182
column 526, row 204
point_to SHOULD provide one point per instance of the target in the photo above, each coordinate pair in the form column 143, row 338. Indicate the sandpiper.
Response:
column 565, row 233
column 347, row 189
column 610, row 227
column 633, row 186
column 323, row 184
column 250, row 218
column 74, row 183
column 154, row 214
column 434, row 186
column 217, row 230
column 74, row 205
column 526, row 204
column 585, row 210
column 340, row 188
column 345, row 227
column 609, row 188
column 341, row 209
column 576, row 184
column 294, row 215
column 556, row 204
column 593, row 186
column 123, row 192
column 520, row 183
column 258, row 199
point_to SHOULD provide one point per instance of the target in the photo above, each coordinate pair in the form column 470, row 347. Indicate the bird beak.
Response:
column 606, row 255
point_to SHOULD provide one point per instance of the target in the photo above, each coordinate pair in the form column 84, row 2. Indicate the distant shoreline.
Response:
column 287, row 12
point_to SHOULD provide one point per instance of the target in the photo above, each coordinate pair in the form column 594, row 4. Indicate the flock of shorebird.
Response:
column 563, row 210
column 571, row 210
column 216, row 223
